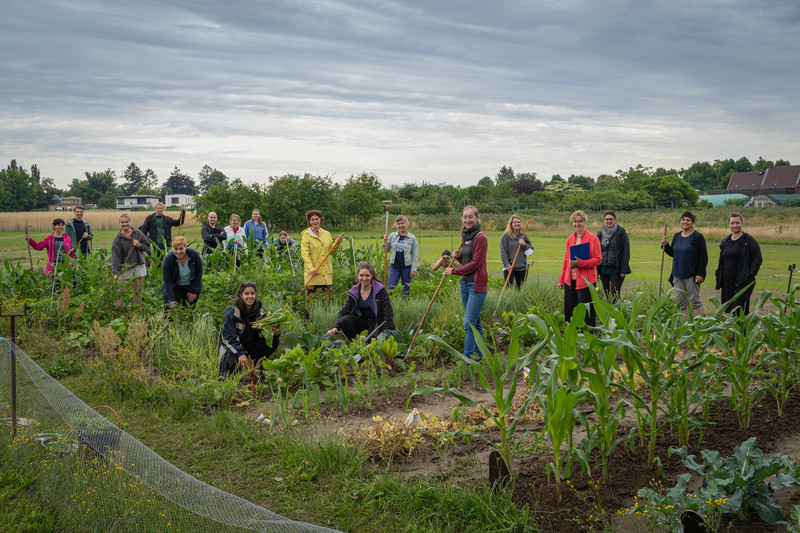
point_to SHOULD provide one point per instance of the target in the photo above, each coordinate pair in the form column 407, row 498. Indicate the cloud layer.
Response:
column 437, row 91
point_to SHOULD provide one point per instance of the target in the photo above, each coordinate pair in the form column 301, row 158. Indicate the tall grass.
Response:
column 99, row 219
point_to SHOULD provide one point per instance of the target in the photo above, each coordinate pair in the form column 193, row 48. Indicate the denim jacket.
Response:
column 410, row 249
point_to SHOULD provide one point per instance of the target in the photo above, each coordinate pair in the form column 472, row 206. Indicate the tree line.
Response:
column 283, row 200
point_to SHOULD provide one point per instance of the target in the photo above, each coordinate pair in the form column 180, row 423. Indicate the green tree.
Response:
column 669, row 190
column 289, row 197
column 723, row 168
column 210, row 176
column 361, row 198
column 505, row 174
column 98, row 188
column 134, row 179
column 606, row 180
column 700, row 175
column 178, row 183
column 584, row 182
column 236, row 197
column 486, row 181
column 20, row 190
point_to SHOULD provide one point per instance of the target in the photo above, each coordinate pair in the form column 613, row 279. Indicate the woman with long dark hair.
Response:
column 367, row 306
column 240, row 344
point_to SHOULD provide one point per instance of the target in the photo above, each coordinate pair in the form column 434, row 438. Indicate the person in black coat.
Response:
column 739, row 262
column 616, row 248
column 240, row 344
column 183, row 275
column 367, row 306
column 158, row 227
column 213, row 234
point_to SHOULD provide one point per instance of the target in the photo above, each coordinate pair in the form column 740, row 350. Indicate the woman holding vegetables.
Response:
column 241, row 342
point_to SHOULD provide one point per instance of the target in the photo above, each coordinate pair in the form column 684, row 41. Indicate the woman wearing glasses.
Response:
column 240, row 344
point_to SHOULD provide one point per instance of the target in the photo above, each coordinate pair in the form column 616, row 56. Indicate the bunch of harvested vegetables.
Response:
column 273, row 318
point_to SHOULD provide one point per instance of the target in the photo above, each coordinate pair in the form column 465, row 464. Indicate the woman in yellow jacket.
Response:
column 314, row 245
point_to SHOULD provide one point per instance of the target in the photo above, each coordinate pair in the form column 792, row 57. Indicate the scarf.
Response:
column 608, row 245
column 469, row 234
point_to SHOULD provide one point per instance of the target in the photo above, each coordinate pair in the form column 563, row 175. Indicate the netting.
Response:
column 98, row 477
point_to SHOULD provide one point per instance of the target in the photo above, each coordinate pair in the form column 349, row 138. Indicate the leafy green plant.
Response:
column 504, row 373
column 782, row 337
column 745, row 480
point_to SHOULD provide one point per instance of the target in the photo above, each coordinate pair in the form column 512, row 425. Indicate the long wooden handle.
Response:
column 511, row 268
column 28, row 242
column 441, row 281
column 334, row 246
column 180, row 222
column 661, row 274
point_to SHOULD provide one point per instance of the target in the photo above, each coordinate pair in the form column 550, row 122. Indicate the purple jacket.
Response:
column 381, row 305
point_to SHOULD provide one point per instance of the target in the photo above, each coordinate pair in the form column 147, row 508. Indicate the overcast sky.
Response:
column 432, row 90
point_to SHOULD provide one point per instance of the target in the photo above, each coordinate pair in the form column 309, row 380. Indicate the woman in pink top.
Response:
column 58, row 245
column 576, row 274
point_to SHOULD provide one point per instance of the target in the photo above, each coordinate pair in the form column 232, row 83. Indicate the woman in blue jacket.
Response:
column 183, row 275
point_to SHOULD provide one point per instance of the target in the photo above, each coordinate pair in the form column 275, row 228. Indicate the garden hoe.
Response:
column 28, row 242
column 336, row 244
column 661, row 275
column 385, row 244
column 511, row 268
column 441, row 282
column 353, row 249
column 180, row 221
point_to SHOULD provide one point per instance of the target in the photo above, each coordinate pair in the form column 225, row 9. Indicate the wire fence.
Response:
column 99, row 478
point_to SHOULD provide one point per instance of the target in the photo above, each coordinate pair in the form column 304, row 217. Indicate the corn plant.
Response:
column 782, row 337
column 598, row 362
column 652, row 348
column 504, row 373
column 560, row 372
column 738, row 345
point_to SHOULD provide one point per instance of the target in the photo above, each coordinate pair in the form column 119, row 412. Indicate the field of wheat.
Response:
column 99, row 219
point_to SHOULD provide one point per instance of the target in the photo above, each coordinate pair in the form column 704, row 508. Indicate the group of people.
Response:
column 368, row 306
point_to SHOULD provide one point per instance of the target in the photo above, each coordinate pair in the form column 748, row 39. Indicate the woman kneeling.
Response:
column 368, row 306
column 240, row 344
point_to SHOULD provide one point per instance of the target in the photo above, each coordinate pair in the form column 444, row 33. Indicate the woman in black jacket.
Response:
column 616, row 248
column 367, row 306
column 739, row 262
column 240, row 344
column 689, row 262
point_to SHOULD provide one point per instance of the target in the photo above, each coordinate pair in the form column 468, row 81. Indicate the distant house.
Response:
column 177, row 200
column 773, row 180
column 66, row 203
column 137, row 201
column 772, row 186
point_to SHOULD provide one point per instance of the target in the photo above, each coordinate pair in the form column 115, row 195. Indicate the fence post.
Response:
column 13, row 357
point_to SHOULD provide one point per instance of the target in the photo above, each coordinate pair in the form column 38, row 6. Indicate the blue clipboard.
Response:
column 579, row 251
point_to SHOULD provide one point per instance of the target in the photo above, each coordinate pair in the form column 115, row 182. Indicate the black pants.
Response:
column 729, row 290
column 574, row 296
column 352, row 325
column 612, row 284
column 517, row 276
column 257, row 350
column 181, row 293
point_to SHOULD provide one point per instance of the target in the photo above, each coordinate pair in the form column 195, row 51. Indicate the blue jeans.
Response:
column 473, row 303
column 395, row 274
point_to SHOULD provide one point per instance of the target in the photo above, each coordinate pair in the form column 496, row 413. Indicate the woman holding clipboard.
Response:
column 581, row 258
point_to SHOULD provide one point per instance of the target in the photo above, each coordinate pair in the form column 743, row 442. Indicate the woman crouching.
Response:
column 240, row 344
column 368, row 306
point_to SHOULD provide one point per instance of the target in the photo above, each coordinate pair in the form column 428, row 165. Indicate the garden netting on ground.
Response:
column 99, row 478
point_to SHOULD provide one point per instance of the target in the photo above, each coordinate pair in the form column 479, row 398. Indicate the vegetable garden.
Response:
column 366, row 435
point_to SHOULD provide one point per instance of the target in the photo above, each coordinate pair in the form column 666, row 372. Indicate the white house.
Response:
column 177, row 200
column 137, row 201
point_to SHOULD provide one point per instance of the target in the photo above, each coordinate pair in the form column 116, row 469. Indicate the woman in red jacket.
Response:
column 576, row 273
column 474, row 277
